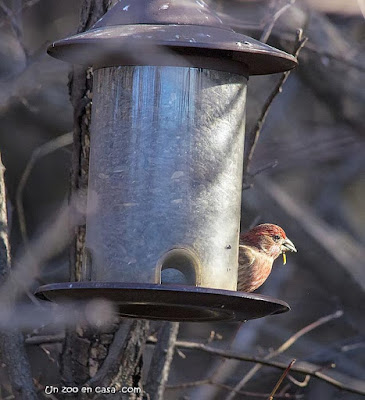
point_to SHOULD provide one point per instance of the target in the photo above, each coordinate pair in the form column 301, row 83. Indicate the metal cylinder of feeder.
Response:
column 165, row 175
column 166, row 156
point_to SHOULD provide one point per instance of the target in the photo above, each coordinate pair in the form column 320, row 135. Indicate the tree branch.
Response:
column 269, row 27
column 131, row 364
column 340, row 380
column 112, row 361
column 254, row 135
column 12, row 341
column 343, row 382
column 161, row 360
column 280, row 381
column 41, row 151
column 285, row 346
column 13, row 23
column 44, row 339
column 187, row 385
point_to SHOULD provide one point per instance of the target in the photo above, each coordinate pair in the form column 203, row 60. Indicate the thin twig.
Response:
column 270, row 165
column 228, row 388
column 41, row 151
column 302, row 368
column 50, row 242
column 186, row 385
column 255, row 133
column 13, row 22
column 306, row 380
column 325, row 54
column 268, row 29
column 305, row 330
column 15, row 13
column 302, row 384
column 44, row 339
column 280, row 381
column 285, row 346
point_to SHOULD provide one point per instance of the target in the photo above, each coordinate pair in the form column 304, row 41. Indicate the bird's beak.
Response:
column 287, row 245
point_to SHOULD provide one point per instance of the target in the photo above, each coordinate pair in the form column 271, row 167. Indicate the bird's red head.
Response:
column 269, row 239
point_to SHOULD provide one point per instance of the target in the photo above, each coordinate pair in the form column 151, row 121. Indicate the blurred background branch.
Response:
column 12, row 347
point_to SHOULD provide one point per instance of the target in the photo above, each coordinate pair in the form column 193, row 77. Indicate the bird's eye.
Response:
column 276, row 238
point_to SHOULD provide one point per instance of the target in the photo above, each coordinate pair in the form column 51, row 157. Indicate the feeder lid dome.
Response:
column 168, row 32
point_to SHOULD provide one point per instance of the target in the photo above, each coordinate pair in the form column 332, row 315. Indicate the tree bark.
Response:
column 12, row 348
column 75, row 368
column 161, row 360
column 113, row 356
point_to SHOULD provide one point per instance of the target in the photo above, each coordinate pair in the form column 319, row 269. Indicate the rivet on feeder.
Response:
column 166, row 159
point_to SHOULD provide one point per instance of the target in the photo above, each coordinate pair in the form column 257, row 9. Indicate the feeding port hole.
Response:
column 178, row 267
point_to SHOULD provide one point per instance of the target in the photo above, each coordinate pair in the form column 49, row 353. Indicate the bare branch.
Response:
column 229, row 388
column 41, row 151
column 112, row 361
column 285, row 346
column 269, row 27
column 305, row 330
column 306, row 380
column 280, row 381
column 130, row 368
column 44, row 339
column 11, row 341
column 14, row 14
column 343, row 382
column 256, row 131
column 51, row 242
column 304, row 383
column 161, row 360
column 13, row 21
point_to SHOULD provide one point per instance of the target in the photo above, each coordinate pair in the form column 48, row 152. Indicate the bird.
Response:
column 258, row 249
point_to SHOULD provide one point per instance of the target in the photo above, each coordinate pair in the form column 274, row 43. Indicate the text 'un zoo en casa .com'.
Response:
column 88, row 389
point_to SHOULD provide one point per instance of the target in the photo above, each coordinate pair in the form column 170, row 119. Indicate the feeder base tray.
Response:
column 168, row 302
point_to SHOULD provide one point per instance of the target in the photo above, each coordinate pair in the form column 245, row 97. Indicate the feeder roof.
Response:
column 162, row 32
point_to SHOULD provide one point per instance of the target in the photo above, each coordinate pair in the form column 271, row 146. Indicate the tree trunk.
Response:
column 112, row 357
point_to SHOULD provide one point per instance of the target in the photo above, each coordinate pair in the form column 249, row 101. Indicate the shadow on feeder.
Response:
column 166, row 162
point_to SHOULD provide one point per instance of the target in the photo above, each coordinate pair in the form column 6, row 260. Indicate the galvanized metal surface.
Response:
column 166, row 302
column 159, row 32
column 161, row 12
column 165, row 175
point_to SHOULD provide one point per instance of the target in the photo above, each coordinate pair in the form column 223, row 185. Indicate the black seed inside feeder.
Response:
column 167, row 135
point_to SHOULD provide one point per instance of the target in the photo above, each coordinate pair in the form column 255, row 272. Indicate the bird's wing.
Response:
column 253, row 268
column 246, row 256
column 246, row 265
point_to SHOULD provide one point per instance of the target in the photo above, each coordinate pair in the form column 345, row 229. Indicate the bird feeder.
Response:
column 166, row 158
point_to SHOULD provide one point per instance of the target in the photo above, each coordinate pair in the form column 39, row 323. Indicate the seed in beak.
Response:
column 284, row 258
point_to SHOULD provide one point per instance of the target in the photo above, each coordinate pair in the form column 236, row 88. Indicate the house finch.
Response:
column 258, row 249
